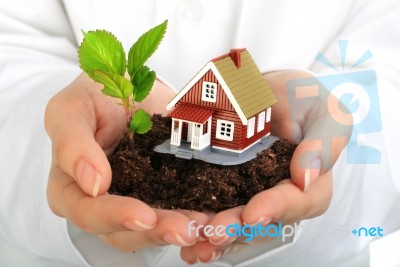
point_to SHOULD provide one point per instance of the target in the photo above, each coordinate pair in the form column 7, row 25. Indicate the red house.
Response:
column 225, row 107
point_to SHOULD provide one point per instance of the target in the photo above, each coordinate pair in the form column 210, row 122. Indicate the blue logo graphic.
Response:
column 355, row 99
column 371, row 231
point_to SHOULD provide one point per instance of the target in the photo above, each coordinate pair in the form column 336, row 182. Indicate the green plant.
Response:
column 103, row 58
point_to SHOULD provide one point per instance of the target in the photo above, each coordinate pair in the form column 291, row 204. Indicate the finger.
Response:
column 204, row 252
column 285, row 123
column 196, row 219
column 315, row 155
column 317, row 117
column 171, row 228
column 71, row 124
column 241, row 243
column 326, row 129
column 306, row 163
column 129, row 241
column 217, row 234
column 286, row 203
column 174, row 227
column 104, row 214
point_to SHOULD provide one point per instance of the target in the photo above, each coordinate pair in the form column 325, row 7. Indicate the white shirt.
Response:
column 38, row 57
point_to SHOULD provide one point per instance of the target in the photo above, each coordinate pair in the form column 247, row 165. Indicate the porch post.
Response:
column 176, row 133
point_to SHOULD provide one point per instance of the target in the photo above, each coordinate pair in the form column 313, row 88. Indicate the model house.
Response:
column 226, row 107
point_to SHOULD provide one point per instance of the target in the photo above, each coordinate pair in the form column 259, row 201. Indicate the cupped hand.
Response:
column 306, row 114
column 84, row 126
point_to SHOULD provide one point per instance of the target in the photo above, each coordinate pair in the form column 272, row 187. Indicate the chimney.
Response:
column 234, row 54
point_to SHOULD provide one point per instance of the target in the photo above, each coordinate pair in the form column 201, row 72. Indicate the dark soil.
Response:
column 164, row 181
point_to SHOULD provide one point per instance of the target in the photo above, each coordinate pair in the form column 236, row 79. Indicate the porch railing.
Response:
column 200, row 142
column 175, row 138
column 195, row 142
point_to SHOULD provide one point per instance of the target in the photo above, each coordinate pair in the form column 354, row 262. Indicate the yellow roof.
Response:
column 246, row 83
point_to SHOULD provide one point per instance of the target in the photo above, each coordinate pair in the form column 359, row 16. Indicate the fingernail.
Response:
column 219, row 242
column 137, row 225
column 202, row 239
column 263, row 220
column 189, row 262
column 215, row 255
column 176, row 239
column 312, row 173
column 88, row 178
column 96, row 186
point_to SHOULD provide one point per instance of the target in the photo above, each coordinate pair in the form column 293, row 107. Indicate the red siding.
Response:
column 248, row 141
column 224, row 111
column 194, row 94
column 229, row 116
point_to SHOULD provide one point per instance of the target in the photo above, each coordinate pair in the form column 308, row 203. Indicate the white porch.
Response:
column 197, row 134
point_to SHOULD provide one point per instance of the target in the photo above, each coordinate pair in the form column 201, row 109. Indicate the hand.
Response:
column 308, row 122
column 84, row 125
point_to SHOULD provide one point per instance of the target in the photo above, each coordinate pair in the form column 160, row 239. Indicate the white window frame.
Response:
column 268, row 115
column 251, row 123
column 211, row 94
column 261, row 122
column 222, row 130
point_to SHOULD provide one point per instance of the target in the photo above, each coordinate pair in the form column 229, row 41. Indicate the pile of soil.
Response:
column 164, row 181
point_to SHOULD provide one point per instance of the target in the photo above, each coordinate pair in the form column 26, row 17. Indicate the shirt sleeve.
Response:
column 37, row 59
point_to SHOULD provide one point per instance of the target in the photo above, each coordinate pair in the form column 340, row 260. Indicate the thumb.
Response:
column 83, row 159
column 76, row 151
column 306, row 163
column 314, row 157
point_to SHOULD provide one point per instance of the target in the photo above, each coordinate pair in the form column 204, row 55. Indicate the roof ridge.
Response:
column 230, row 54
column 220, row 57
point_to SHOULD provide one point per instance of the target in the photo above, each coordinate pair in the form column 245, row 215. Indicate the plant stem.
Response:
column 128, row 112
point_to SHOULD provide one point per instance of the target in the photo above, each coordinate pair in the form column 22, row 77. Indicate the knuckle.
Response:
column 51, row 199
column 51, row 111
column 61, row 149
column 53, row 207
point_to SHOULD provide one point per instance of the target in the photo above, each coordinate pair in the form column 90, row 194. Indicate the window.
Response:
column 225, row 130
column 250, row 127
column 268, row 116
column 209, row 92
column 261, row 122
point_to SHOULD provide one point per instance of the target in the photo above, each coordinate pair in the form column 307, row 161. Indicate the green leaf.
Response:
column 115, row 85
column 141, row 122
column 101, row 50
column 143, row 83
column 144, row 47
